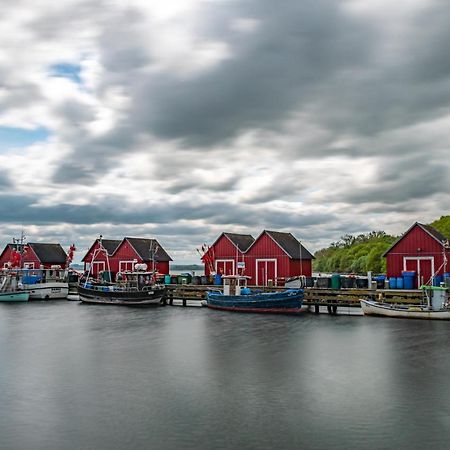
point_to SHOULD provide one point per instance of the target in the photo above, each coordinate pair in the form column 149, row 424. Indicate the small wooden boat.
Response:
column 236, row 296
column 436, row 307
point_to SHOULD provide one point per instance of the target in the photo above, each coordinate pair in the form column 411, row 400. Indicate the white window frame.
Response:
column 225, row 261
column 266, row 260
column 126, row 263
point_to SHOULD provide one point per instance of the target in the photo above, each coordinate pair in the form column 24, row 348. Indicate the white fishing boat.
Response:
column 45, row 284
column 436, row 306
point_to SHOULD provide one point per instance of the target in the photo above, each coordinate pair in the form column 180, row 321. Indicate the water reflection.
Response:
column 80, row 376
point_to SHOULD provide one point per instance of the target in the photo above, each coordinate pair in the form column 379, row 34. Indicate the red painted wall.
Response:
column 417, row 243
column 28, row 257
column 125, row 252
column 222, row 249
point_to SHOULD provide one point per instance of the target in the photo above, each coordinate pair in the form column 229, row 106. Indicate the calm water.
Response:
column 96, row 377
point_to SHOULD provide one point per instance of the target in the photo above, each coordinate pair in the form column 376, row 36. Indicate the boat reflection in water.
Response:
column 236, row 296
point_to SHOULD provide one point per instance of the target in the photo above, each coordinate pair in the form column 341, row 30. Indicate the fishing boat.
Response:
column 131, row 288
column 11, row 289
column 124, row 295
column 436, row 306
column 236, row 296
column 45, row 284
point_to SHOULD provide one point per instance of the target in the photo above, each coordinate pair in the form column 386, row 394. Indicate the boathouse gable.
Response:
column 420, row 249
column 226, row 252
column 123, row 254
column 271, row 258
column 37, row 255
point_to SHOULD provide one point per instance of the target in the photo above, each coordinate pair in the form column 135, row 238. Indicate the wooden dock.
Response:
column 188, row 294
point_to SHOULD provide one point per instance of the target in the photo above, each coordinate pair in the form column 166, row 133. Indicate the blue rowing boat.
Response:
column 236, row 296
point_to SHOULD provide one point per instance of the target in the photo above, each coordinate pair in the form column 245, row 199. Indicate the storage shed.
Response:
column 421, row 249
column 271, row 258
column 226, row 253
column 36, row 255
column 123, row 255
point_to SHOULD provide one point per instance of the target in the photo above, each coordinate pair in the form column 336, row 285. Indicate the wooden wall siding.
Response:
column 300, row 268
column 266, row 248
column 409, row 246
column 223, row 249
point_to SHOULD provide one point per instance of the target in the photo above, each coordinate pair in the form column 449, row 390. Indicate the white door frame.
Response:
column 225, row 261
column 266, row 260
column 98, row 264
column 417, row 259
column 132, row 262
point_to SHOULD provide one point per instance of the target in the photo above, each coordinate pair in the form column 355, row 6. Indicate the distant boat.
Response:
column 436, row 307
column 236, row 296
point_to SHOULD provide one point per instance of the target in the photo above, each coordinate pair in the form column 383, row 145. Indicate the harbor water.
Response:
column 77, row 376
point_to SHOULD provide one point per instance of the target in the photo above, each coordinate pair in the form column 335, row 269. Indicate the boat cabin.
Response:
column 234, row 284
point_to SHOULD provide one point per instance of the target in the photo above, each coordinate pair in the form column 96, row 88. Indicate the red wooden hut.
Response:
column 101, row 258
column 421, row 249
column 123, row 255
column 272, row 257
column 226, row 252
column 36, row 255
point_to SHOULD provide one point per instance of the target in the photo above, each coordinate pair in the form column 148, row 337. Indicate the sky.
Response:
column 180, row 120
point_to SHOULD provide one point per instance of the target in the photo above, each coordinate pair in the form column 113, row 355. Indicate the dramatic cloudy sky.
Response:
column 181, row 119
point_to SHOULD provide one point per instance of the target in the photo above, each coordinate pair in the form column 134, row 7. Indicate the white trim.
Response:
column 266, row 260
column 225, row 261
column 28, row 265
column 126, row 262
column 417, row 259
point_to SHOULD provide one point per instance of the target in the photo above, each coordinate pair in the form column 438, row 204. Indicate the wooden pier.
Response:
column 314, row 297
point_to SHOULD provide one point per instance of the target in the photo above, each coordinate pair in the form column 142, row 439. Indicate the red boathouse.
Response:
column 123, row 255
column 421, row 249
column 35, row 255
column 271, row 258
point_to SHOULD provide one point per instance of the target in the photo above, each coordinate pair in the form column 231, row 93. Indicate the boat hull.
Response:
column 152, row 297
column 47, row 291
column 14, row 296
column 286, row 302
column 402, row 312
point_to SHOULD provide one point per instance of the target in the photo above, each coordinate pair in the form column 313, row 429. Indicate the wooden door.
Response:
column 266, row 269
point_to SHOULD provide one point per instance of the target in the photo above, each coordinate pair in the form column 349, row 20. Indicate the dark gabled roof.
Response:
column 143, row 246
column 435, row 233
column 290, row 245
column 241, row 241
column 110, row 245
column 49, row 253
column 427, row 228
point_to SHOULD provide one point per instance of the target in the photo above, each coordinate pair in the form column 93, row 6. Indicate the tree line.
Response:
column 355, row 254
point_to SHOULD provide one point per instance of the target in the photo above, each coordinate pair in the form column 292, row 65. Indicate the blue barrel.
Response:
column 167, row 279
column 392, row 283
column 218, row 279
column 408, row 279
column 438, row 279
column 399, row 282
